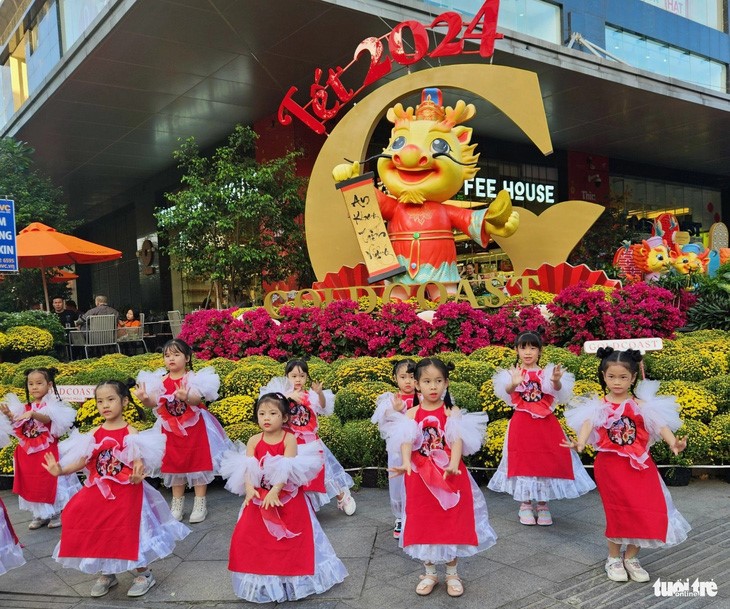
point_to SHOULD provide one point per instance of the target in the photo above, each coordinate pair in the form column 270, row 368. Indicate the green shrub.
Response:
column 494, row 407
column 94, row 376
column 233, row 409
column 685, row 364
column 347, row 371
column 499, row 357
column 357, row 400
column 558, row 355
column 330, row 431
column 496, row 432
column 719, row 386
column 242, row 432
column 24, row 341
column 695, row 401
column 363, row 446
column 247, row 379
column 452, row 356
column 720, row 439
column 37, row 361
column 320, row 371
column 472, row 371
column 7, row 372
column 587, row 367
column 6, row 456
column 698, row 449
column 38, row 319
column 465, row 396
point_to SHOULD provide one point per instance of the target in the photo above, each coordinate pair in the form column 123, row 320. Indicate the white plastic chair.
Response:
column 175, row 322
column 102, row 332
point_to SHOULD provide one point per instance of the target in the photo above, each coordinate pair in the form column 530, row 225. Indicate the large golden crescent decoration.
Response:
column 330, row 237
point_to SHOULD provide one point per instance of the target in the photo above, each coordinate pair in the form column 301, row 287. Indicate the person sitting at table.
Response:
column 102, row 308
column 131, row 320
column 66, row 316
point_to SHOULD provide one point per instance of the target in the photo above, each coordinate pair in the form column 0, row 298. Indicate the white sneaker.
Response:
column 615, row 569
column 635, row 570
column 103, row 584
column 141, row 585
column 176, row 507
column 200, row 510
column 347, row 504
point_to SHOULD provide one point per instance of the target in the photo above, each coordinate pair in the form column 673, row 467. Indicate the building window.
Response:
column 76, row 17
column 706, row 12
column 696, row 208
column 658, row 57
column 535, row 18
column 43, row 46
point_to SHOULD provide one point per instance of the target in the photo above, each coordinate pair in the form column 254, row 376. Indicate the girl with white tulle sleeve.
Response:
column 196, row 441
column 11, row 552
column 622, row 426
column 445, row 514
column 534, row 465
column 304, row 406
column 117, row 522
column 400, row 402
column 37, row 425
column 278, row 549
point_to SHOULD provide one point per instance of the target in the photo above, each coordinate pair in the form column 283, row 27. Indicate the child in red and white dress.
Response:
column 196, row 441
column 399, row 402
column 445, row 514
column 621, row 427
column 37, row 425
column 11, row 552
column 534, row 465
column 278, row 549
column 117, row 522
column 304, row 406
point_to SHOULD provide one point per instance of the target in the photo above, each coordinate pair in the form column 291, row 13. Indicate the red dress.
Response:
column 437, row 511
column 103, row 519
column 277, row 541
column 627, row 477
column 187, row 449
column 303, row 424
column 535, row 433
column 32, row 482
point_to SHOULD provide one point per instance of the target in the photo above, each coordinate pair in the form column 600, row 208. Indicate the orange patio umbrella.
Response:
column 40, row 246
column 60, row 276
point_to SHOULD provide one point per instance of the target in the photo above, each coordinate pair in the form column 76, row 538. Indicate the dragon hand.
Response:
column 345, row 171
column 500, row 220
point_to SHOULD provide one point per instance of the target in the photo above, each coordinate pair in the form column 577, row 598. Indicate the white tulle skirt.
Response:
column 328, row 571
column 67, row 487
column 443, row 553
column 336, row 480
column 219, row 443
column 396, row 486
column 677, row 527
column 158, row 533
column 11, row 554
column 536, row 488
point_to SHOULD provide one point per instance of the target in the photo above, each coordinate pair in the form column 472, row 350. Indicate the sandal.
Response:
column 427, row 584
column 454, row 586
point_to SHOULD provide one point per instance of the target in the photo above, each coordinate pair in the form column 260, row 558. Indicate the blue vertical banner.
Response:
column 8, row 249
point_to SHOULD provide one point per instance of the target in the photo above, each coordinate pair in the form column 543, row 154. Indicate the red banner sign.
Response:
column 327, row 98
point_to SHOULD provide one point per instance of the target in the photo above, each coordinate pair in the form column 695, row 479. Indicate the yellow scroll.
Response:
column 372, row 236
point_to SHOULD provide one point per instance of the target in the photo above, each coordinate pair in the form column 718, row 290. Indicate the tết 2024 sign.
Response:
column 482, row 27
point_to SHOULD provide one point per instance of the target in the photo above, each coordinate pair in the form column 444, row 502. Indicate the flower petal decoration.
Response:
column 551, row 278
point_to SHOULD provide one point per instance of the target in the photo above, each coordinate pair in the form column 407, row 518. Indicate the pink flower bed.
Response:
column 576, row 315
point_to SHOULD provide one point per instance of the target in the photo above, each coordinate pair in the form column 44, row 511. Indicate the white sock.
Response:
column 451, row 570
column 430, row 569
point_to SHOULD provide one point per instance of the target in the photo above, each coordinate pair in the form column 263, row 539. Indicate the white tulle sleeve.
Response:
column 205, row 383
column 152, row 382
column 383, row 403
column 298, row 470
column 76, row 447
column 329, row 402
column 469, row 427
column 6, row 430
column 236, row 467
column 14, row 404
column 657, row 410
column 279, row 384
column 582, row 409
column 567, row 382
column 62, row 415
column 501, row 380
column 148, row 445
column 399, row 429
